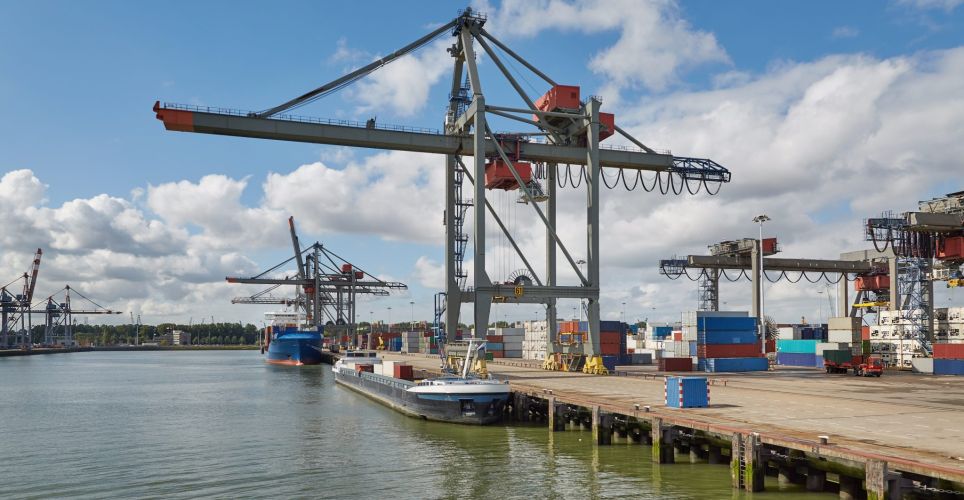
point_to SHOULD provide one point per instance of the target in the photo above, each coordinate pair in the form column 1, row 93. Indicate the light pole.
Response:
column 622, row 314
column 389, row 319
column 411, row 324
column 760, row 219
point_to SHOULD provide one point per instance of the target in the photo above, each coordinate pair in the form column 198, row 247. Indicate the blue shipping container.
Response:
column 610, row 362
column 796, row 359
column 692, row 348
column 736, row 365
column 687, row 392
column 662, row 331
column 817, row 361
column 723, row 323
column 949, row 367
column 611, row 326
column 494, row 346
column 727, row 337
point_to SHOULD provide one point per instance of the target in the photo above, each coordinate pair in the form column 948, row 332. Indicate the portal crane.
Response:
column 60, row 316
column 567, row 131
column 16, row 309
column 327, row 286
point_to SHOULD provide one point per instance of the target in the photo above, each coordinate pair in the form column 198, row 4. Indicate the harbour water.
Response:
column 224, row 424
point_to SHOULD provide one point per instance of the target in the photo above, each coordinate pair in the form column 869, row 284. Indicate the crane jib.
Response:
column 220, row 121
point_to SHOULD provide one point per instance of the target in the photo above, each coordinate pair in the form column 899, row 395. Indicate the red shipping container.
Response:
column 729, row 351
column 865, row 333
column 404, row 372
column 771, row 346
column 497, row 354
column 952, row 248
column 498, row 175
column 569, row 327
column 610, row 338
column 675, row 364
column 609, row 349
column 678, row 336
column 493, row 338
column 949, row 351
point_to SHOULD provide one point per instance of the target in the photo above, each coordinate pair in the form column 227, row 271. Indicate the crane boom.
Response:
column 31, row 283
column 220, row 121
column 294, row 241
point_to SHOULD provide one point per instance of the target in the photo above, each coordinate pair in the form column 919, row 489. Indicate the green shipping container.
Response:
column 838, row 355
column 489, row 356
column 865, row 346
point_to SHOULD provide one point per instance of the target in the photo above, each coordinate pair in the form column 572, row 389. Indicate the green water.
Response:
column 225, row 425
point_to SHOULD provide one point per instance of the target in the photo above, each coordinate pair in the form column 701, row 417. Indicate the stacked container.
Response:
column 535, row 340
column 797, row 352
column 728, row 344
column 411, row 342
column 948, row 359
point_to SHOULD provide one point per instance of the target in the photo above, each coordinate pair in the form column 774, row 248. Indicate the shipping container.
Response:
column 686, row 392
column 948, row 366
column 668, row 364
column 796, row 359
column 949, row 351
column 494, row 346
column 728, row 337
column 736, row 365
column 838, row 355
column 797, row 346
column 724, row 323
column 403, row 372
column 729, row 350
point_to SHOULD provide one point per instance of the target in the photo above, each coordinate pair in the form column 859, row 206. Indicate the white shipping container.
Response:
column 841, row 336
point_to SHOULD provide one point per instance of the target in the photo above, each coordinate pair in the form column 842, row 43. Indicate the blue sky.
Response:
column 77, row 81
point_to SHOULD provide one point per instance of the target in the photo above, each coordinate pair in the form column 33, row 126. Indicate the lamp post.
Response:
column 411, row 324
column 622, row 314
column 760, row 219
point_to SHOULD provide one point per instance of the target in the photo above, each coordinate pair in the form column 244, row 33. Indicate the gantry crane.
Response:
column 566, row 131
column 926, row 245
column 15, row 309
column 326, row 286
column 59, row 316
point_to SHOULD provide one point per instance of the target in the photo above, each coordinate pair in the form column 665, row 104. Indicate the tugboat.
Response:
column 288, row 341
column 462, row 398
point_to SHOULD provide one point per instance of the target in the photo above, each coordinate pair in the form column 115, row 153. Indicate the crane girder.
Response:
column 775, row 264
column 218, row 121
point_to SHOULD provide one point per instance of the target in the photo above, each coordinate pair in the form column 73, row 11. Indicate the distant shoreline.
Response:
column 6, row 353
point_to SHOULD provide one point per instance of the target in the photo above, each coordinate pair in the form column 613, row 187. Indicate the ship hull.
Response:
column 295, row 350
column 454, row 407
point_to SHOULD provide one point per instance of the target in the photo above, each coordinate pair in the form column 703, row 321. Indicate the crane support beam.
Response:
column 774, row 264
column 182, row 118
column 311, row 282
column 533, row 294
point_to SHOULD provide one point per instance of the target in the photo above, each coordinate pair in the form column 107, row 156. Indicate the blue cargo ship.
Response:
column 287, row 341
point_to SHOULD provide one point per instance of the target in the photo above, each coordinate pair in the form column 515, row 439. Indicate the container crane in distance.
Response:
column 566, row 131
column 15, row 309
column 327, row 286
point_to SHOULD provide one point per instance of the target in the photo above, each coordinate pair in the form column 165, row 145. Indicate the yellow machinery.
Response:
column 594, row 366
column 955, row 282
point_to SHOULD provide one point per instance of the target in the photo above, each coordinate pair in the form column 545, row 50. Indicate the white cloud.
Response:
column 403, row 85
column 844, row 32
column 430, row 273
column 655, row 43
column 946, row 5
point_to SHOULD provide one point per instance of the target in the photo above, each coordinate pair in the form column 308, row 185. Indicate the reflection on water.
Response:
column 225, row 424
